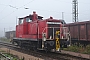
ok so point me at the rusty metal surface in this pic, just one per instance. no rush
(80, 30)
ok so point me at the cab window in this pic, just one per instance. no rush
(28, 20)
(21, 21)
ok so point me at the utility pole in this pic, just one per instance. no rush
(63, 18)
(16, 20)
(75, 11)
(4, 32)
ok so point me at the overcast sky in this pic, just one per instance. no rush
(10, 10)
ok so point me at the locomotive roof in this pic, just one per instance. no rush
(30, 16)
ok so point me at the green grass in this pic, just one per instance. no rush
(80, 49)
(3, 39)
(2, 51)
(11, 56)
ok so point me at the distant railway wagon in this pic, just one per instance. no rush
(37, 33)
(80, 32)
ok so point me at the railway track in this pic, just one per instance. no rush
(43, 54)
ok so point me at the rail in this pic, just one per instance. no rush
(7, 58)
(53, 55)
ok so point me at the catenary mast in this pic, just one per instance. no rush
(75, 11)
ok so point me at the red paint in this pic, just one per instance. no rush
(34, 16)
(34, 29)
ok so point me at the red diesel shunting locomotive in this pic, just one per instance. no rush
(34, 32)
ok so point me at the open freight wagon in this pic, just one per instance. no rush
(80, 32)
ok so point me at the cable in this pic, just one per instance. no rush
(8, 15)
(26, 4)
(83, 3)
(63, 1)
(15, 10)
(3, 4)
(5, 7)
(13, 6)
(38, 9)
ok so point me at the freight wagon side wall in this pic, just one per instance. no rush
(74, 32)
(80, 31)
(83, 31)
(88, 31)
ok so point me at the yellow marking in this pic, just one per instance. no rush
(57, 40)
(57, 32)
(57, 44)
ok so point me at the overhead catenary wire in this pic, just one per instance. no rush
(83, 3)
(3, 4)
(5, 7)
(23, 6)
(16, 9)
(26, 4)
